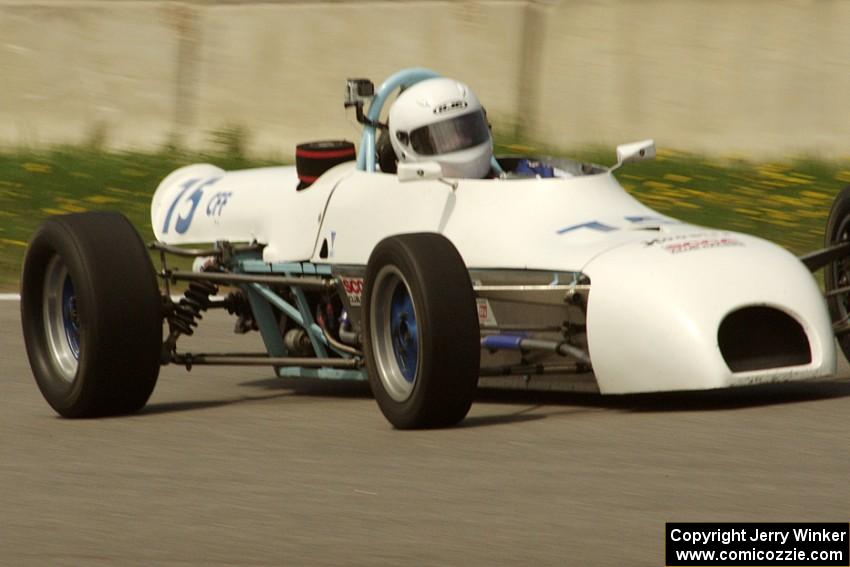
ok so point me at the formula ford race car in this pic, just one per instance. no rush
(425, 284)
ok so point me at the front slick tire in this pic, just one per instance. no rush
(91, 315)
(421, 330)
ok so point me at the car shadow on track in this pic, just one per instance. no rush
(189, 405)
(531, 412)
(700, 400)
(360, 389)
(536, 405)
(314, 387)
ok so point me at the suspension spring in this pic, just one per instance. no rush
(187, 312)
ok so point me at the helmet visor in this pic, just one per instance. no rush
(450, 135)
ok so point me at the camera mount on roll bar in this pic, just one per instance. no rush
(357, 93)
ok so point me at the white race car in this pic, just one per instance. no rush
(425, 284)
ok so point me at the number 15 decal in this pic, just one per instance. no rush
(183, 222)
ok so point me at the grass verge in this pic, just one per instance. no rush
(787, 202)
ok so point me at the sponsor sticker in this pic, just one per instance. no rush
(217, 202)
(485, 313)
(353, 289)
(692, 242)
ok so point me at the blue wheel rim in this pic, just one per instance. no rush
(61, 322)
(69, 317)
(395, 337)
(404, 332)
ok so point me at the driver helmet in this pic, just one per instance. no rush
(441, 120)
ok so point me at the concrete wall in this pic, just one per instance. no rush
(727, 76)
(747, 76)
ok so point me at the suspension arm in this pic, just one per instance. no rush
(819, 258)
(230, 278)
(250, 359)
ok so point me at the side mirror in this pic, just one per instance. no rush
(636, 151)
(419, 171)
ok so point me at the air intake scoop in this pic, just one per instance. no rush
(760, 337)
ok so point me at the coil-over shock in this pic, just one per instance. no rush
(195, 300)
(184, 315)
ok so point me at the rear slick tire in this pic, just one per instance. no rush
(421, 331)
(91, 314)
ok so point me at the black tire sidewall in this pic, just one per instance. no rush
(413, 405)
(50, 240)
(447, 373)
(118, 306)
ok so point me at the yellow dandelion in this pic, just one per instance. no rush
(782, 223)
(749, 191)
(36, 167)
(666, 153)
(102, 199)
(843, 175)
(130, 172)
(676, 178)
(119, 191)
(791, 179)
(687, 205)
(49, 211)
(816, 195)
(13, 242)
(769, 168)
(803, 175)
(657, 185)
(775, 184)
(794, 202)
(813, 214)
(779, 215)
(70, 205)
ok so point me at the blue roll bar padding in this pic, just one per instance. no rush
(494, 165)
(404, 78)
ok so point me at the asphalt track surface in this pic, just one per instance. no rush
(235, 467)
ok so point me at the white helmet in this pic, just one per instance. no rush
(441, 120)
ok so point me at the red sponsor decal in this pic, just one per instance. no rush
(701, 244)
(353, 289)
